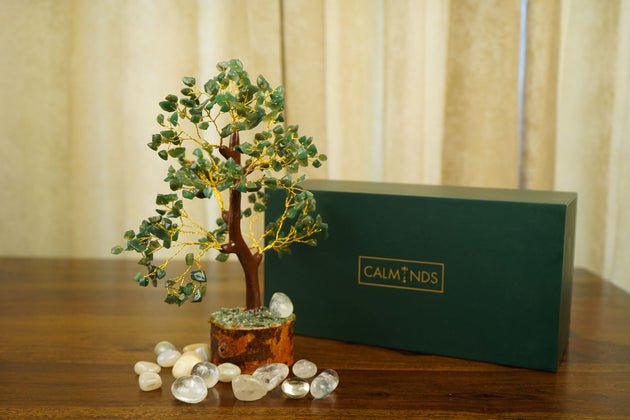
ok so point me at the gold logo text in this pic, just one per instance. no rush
(401, 274)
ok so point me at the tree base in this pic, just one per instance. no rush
(252, 347)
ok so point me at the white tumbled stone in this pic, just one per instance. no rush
(168, 358)
(248, 388)
(189, 389)
(304, 369)
(272, 374)
(208, 372)
(295, 388)
(204, 352)
(228, 371)
(192, 347)
(144, 366)
(280, 305)
(184, 364)
(162, 346)
(148, 381)
(324, 384)
(202, 348)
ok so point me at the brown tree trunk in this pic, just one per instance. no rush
(237, 245)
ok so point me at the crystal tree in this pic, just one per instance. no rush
(223, 170)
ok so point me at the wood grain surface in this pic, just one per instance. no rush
(71, 331)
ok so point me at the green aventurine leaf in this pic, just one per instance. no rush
(189, 81)
(187, 290)
(292, 212)
(286, 181)
(168, 134)
(136, 245)
(262, 82)
(312, 150)
(190, 258)
(199, 294)
(271, 183)
(252, 186)
(188, 103)
(168, 106)
(198, 275)
(162, 234)
(162, 199)
(172, 299)
(177, 152)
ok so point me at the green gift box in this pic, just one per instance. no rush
(474, 273)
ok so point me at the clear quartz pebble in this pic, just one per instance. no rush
(295, 388)
(162, 346)
(208, 372)
(248, 388)
(168, 358)
(280, 305)
(144, 366)
(324, 384)
(148, 381)
(185, 363)
(228, 371)
(189, 389)
(304, 369)
(272, 374)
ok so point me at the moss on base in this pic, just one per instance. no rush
(247, 318)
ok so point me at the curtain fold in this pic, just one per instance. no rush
(35, 137)
(586, 92)
(415, 91)
(617, 239)
(415, 43)
(480, 143)
(540, 94)
(353, 88)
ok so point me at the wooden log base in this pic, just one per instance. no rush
(250, 348)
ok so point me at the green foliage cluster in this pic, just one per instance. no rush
(226, 104)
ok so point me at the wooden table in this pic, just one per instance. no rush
(73, 329)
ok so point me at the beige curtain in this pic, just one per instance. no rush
(393, 90)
